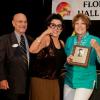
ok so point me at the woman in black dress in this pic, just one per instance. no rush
(49, 61)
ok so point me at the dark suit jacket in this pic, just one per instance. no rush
(12, 66)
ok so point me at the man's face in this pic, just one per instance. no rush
(20, 23)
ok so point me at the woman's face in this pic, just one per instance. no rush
(80, 27)
(56, 27)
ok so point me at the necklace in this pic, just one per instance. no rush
(81, 40)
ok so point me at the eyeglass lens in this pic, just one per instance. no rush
(59, 26)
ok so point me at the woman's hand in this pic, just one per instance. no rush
(94, 43)
(96, 46)
(69, 59)
(48, 31)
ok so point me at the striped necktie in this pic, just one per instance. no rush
(23, 49)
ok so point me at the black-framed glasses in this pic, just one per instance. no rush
(53, 26)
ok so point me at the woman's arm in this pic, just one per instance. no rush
(40, 42)
(96, 46)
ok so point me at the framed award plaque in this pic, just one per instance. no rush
(81, 55)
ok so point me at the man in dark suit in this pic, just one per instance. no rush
(13, 68)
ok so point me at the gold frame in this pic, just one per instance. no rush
(81, 55)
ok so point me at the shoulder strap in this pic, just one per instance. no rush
(61, 44)
(51, 42)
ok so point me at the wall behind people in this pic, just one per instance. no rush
(36, 11)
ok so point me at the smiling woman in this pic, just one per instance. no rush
(79, 83)
(49, 61)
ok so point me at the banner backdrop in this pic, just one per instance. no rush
(69, 8)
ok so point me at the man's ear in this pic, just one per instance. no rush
(13, 23)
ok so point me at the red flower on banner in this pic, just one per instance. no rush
(63, 8)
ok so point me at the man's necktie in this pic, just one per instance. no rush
(23, 49)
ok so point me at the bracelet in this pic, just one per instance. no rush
(38, 40)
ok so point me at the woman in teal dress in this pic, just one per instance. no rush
(80, 81)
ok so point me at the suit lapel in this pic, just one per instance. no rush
(13, 39)
(17, 49)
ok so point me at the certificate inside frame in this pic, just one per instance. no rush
(81, 55)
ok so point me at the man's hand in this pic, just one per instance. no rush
(4, 85)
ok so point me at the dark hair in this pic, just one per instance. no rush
(54, 16)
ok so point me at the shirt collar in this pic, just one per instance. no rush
(18, 36)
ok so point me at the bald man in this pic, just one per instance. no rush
(13, 70)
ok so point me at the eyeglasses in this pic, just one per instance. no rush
(53, 26)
